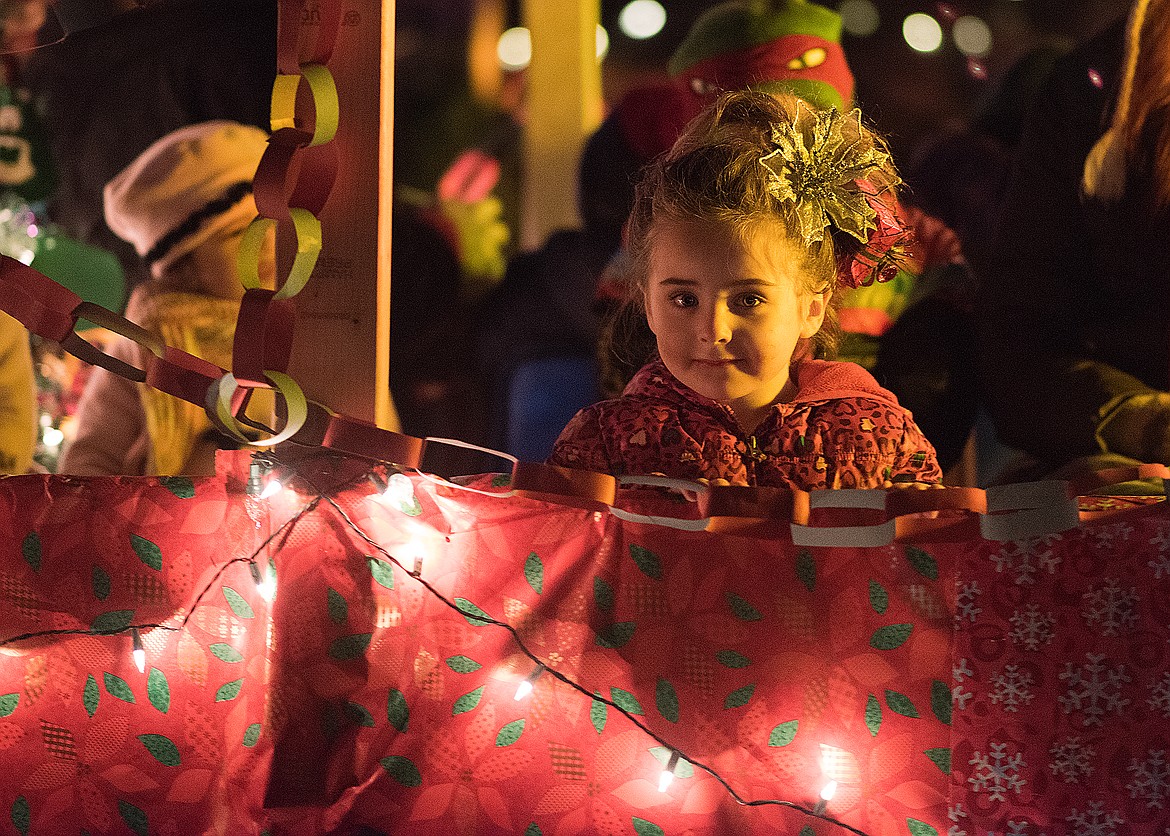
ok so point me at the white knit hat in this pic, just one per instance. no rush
(185, 188)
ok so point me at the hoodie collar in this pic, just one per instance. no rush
(816, 381)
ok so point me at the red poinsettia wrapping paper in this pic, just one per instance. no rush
(954, 688)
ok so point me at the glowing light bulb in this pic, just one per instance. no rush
(273, 487)
(265, 581)
(139, 652)
(668, 773)
(525, 687)
(267, 589)
(399, 489)
(827, 793)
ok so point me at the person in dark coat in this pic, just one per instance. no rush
(1074, 311)
(129, 76)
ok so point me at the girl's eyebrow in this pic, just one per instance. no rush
(737, 283)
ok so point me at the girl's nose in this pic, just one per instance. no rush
(717, 325)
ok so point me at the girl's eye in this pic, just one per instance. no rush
(684, 300)
(750, 300)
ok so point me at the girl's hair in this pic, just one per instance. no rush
(1146, 131)
(714, 173)
(1138, 139)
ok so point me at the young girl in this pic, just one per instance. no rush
(739, 236)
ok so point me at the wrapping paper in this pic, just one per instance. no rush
(962, 687)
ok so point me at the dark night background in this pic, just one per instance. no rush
(907, 94)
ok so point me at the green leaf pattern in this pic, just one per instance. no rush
(101, 583)
(31, 548)
(181, 486)
(468, 701)
(90, 695)
(21, 815)
(806, 570)
(891, 636)
(742, 609)
(236, 601)
(162, 748)
(510, 733)
(229, 690)
(873, 715)
(147, 552)
(784, 733)
(462, 664)
(667, 699)
(941, 701)
(534, 572)
(603, 594)
(134, 818)
(382, 572)
(397, 711)
(739, 697)
(647, 561)
(598, 713)
(625, 700)
(158, 690)
(116, 687)
(338, 609)
(402, 770)
(474, 615)
(922, 563)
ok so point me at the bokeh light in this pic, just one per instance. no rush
(642, 19)
(922, 32)
(602, 42)
(515, 48)
(972, 36)
(859, 18)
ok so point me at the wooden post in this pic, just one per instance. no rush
(341, 345)
(563, 106)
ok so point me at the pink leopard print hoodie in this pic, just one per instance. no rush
(842, 430)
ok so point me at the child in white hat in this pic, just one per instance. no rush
(183, 203)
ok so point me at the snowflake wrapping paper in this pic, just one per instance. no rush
(956, 688)
(1062, 683)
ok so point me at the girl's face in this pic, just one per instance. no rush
(728, 313)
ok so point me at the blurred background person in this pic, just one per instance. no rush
(1075, 305)
(183, 204)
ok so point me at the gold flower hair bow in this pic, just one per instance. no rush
(822, 164)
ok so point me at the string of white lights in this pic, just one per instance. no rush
(541, 667)
(262, 472)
